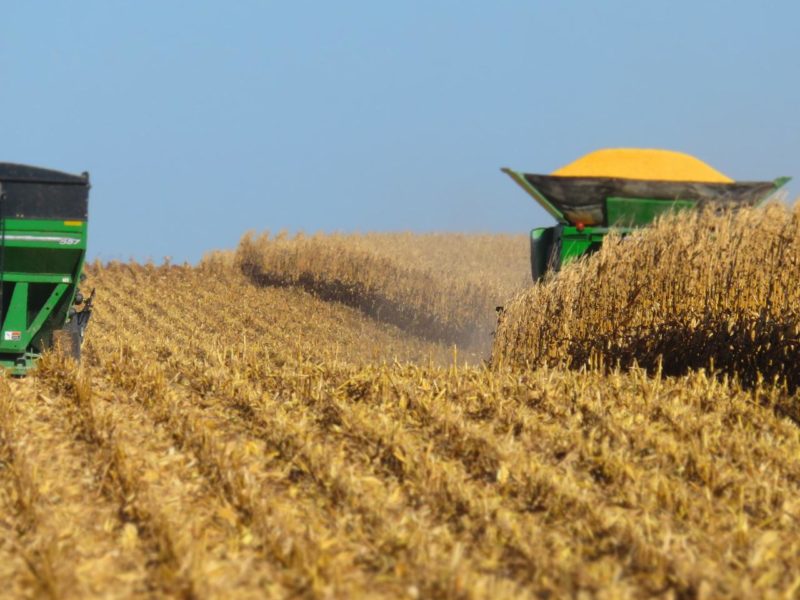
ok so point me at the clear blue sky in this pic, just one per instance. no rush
(201, 120)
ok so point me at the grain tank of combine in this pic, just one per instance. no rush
(43, 224)
(622, 190)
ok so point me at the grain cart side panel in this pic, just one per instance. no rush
(43, 229)
(638, 212)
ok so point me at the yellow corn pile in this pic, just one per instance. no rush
(642, 163)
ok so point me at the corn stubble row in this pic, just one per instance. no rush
(223, 439)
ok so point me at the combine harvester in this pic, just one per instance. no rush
(622, 190)
(43, 220)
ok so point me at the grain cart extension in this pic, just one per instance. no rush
(588, 208)
(43, 221)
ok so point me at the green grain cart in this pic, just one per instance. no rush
(43, 221)
(587, 208)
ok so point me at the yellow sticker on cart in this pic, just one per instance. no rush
(73, 223)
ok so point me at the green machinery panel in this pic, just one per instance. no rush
(637, 212)
(43, 233)
(554, 247)
(588, 208)
(541, 244)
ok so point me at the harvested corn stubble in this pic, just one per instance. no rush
(227, 439)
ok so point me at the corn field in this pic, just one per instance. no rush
(699, 290)
(236, 430)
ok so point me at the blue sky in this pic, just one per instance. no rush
(201, 120)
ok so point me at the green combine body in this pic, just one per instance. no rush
(588, 208)
(43, 226)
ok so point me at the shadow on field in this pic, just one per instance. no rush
(381, 308)
(439, 306)
(751, 350)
